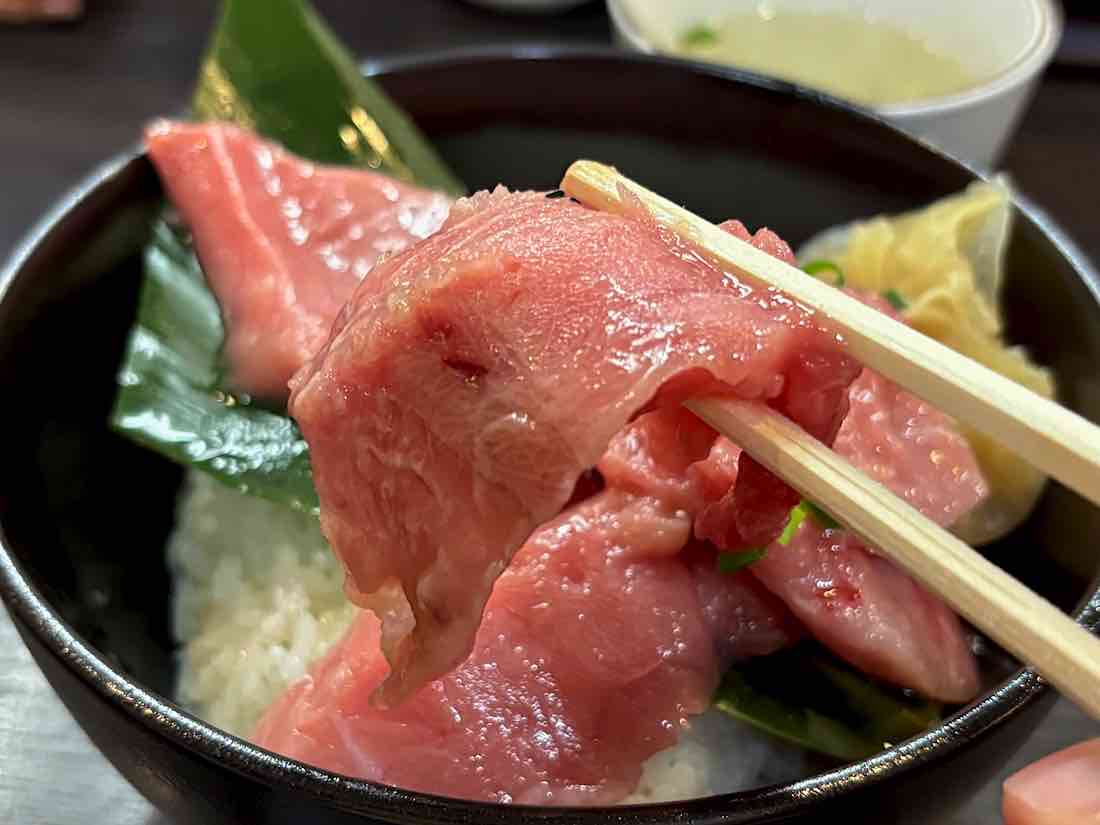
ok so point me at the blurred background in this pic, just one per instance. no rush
(72, 93)
(76, 87)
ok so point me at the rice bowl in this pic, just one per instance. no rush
(6, 529)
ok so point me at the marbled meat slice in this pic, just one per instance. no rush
(471, 381)
(591, 655)
(862, 606)
(744, 618)
(598, 642)
(283, 242)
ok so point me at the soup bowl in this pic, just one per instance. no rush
(84, 514)
(1004, 44)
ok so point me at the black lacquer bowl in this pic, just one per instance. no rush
(84, 514)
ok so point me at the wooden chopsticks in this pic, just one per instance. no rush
(1060, 443)
(1022, 622)
(1056, 440)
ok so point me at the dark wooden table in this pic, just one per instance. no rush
(71, 95)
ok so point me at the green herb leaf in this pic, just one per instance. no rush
(823, 519)
(732, 562)
(794, 521)
(816, 268)
(169, 398)
(890, 716)
(276, 68)
(808, 696)
(799, 513)
(701, 35)
(895, 299)
(800, 725)
(273, 67)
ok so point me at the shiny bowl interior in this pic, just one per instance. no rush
(84, 514)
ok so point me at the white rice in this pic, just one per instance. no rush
(259, 596)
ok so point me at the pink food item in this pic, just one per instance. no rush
(283, 242)
(1062, 789)
(21, 11)
(862, 606)
(870, 612)
(744, 618)
(910, 447)
(470, 382)
(594, 649)
(591, 655)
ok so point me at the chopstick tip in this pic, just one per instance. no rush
(584, 169)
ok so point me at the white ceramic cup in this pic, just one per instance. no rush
(1007, 42)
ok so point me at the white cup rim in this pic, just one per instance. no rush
(1029, 63)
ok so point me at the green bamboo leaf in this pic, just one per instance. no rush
(170, 398)
(888, 718)
(273, 67)
(808, 696)
(801, 725)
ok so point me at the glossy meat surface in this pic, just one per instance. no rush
(861, 606)
(283, 242)
(470, 382)
(598, 642)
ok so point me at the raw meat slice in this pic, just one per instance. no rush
(24, 11)
(654, 455)
(754, 508)
(907, 445)
(591, 655)
(869, 611)
(911, 448)
(744, 618)
(283, 242)
(593, 651)
(862, 606)
(471, 381)
(672, 456)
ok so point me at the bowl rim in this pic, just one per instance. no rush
(162, 717)
(1023, 68)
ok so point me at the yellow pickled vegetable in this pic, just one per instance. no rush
(946, 262)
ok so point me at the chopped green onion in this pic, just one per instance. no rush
(798, 515)
(820, 516)
(701, 35)
(895, 299)
(815, 268)
(732, 562)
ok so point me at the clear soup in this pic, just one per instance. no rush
(846, 54)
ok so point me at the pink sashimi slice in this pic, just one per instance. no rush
(588, 661)
(814, 393)
(598, 642)
(283, 242)
(862, 606)
(872, 613)
(911, 448)
(1060, 789)
(471, 381)
(666, 457)
(744, 618)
